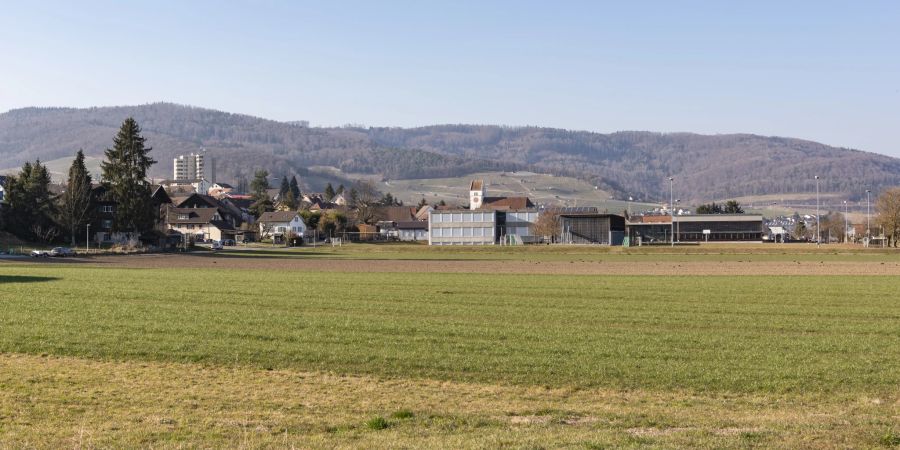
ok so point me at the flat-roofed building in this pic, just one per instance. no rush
(696, 228)
(591, 228)
(462, 227)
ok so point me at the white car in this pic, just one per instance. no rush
(62, 252)
(40, 254)
(217, 245)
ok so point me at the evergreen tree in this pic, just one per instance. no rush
(75, 207)
(258, 188)
(422, 203)
(295, 188)
(733, 207)
(27, 204)
(289, 201)
(354, 197)
(340, 189)
(329, 192)
(125, 175)
(285, 186)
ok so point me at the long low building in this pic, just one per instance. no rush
(480, 227)
(696, 228)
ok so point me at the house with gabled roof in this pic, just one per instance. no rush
(200, 224)
(274, 224)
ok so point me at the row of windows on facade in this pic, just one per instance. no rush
(482, 217)
(186, 217)
(461, 217)
(478, 232)
(283, 229)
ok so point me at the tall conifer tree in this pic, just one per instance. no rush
(75, 204)
(125, 174)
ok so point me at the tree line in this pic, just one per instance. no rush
(31, 210)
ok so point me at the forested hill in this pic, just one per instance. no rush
(628, 163)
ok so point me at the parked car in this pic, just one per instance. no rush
(40, 254)
(217, 245)
(62, 252)
(228, 242)
(246, 240)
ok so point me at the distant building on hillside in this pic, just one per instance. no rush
(194, 167)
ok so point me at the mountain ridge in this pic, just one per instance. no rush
(628, 163)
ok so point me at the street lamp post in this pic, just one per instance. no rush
(818, 230)
(672, 208)
(87, 238)
(846, 223)
(678, 228)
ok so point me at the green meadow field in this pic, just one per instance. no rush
(260, 348)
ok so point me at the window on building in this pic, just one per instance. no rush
(106, 224)
(457, 217)
(182, 217)
(457, 232)
(467, 232)
(467, 217)
(436, 232)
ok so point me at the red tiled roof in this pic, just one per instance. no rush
(504, 203)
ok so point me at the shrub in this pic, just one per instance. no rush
(377, 423)
(403, 414)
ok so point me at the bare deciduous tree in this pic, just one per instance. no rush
(888, 208)
(547, 225)
(367, 201)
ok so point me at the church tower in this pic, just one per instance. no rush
(476, 194)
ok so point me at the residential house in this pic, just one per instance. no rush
(200, 224)
(101, 227)
(390, 216)
(277, 224)
(218, 190)
(412, 231)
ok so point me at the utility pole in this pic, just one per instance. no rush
(818, 230)
(87, 241)
(868, 220)
(846, 223)
(672, 208)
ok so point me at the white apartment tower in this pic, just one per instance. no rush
(189, 167)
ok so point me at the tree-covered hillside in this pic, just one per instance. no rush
(628, 163)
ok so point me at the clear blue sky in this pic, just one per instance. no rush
(820, 70)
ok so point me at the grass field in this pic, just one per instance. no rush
(98, 353)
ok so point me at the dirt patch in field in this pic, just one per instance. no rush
(730, 268)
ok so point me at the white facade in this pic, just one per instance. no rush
(462, 227)
(295, 226)
(520, 223)
(476, 194)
